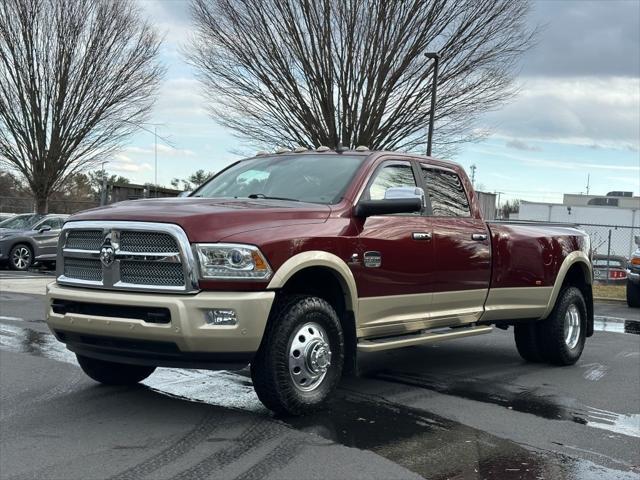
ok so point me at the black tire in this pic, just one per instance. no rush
(111, 373)
(633, 294)
(528, 342)
(20, 257)
(554, 345)
(273, 379)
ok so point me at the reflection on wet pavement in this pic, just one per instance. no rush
(521, 399)
(435, 447)
(432, 446)
(604, 324)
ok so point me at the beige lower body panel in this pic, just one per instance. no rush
(399, 314)
(517, 303)
(188, 328)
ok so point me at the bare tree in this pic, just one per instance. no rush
(316, 72)
(76, 76)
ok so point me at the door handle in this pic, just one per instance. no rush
(421, 236)
(480, 237)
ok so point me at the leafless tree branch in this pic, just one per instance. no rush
(312, 72)
(76, 77)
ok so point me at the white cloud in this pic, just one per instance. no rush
(581, 111)
(124, 163)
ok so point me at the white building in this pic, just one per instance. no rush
(597, 217)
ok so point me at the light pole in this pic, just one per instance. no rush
(103, 191)
(155, 146)
(436, 60)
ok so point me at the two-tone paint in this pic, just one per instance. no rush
(459, 270)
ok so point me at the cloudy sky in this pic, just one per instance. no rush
(578, 112)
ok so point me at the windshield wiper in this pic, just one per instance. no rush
(267, 197)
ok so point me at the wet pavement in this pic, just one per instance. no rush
(464, 409)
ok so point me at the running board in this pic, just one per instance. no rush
(387, 343)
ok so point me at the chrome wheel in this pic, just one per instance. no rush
(309, 356)
(572, 326)
(21, 258)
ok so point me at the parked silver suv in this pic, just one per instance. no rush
(27, 238)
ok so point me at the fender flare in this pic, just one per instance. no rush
(317, 258)
(576, 257)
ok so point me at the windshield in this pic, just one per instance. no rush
(613, 262)
(21, 222)
(304, 178)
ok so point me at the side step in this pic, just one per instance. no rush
(387, 343)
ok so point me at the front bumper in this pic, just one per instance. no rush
(633, 277)
(187, 340)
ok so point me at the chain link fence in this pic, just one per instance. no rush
(612, 240)
(27, 205)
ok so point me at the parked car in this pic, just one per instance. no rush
(633, 277)
(610, 269)
(297, 262)
(29, 238)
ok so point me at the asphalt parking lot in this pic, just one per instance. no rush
(469, 408)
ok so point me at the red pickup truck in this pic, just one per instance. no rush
(296, 262)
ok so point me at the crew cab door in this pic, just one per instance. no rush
(393, 262)
(462, 248)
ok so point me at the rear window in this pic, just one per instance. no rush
(447, 194)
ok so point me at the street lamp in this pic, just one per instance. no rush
(103, 190)
(436, 60)
(155, 148)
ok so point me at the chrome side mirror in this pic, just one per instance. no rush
(405, 192)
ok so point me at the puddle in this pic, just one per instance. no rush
(432, 446)
(438, 448)
(615, 325)
(521, 399)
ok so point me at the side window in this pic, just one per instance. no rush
(448, 198)
(392, 175)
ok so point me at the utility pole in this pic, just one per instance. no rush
(103, 190)
(498, 207)
(473, 174)
(588, 181)
(155, 152)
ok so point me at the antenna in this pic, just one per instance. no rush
(436, 60)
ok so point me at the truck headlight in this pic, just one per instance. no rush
(231, 261)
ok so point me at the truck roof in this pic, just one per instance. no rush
(360, 151)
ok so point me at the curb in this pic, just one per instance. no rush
(609, 300)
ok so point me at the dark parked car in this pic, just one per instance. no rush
(30, 237)
(633, 278)
(616, 266)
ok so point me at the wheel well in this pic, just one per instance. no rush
(578, 276)
(328, 284)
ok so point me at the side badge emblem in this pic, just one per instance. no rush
(372, 259)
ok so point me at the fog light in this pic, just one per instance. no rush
(221, 317)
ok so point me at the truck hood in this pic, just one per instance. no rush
(211, 220)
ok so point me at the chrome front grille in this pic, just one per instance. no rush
(151, 273)
(152, 242)
(136, 256)
(85, 239)
(83, 268)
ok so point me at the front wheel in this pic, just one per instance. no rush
(299, 363)
(20, 257)
(633, 294)
(562, 335)
(112, 373)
